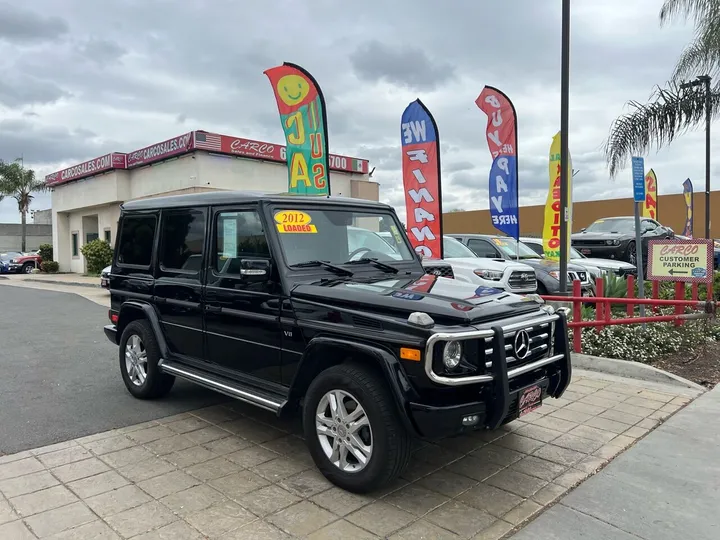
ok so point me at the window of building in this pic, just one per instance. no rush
(238, 235)
(181, 240)
(108, 237)
(75, 248)
(136, 240)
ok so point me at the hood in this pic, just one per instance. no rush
(546, 265)
(487, 264)
(448, 301)
(610, 264)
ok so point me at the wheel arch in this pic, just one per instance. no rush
(325, 352)
(132, 311)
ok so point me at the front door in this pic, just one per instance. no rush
(242, 304)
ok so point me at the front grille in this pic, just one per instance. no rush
(540, 335)
(442, 270)
(522, 280)
(584, 242)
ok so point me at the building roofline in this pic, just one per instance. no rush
(193, 141)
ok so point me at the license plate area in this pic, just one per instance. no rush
(585, 251)
(529, 399)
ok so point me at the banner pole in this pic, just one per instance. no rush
(564, 145)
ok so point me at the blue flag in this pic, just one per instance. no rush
(504, 196)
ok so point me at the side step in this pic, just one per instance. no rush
(225, 386)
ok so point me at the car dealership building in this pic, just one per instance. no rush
(86, 198)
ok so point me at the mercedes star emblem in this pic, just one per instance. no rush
(522, 345)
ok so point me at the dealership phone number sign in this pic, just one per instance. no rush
(681, 260)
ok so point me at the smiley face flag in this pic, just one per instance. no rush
(302, 113)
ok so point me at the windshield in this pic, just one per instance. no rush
(511, 248)
(617, 225)
(9, 255)
(340, 236)
(575, 254)
(454, 249)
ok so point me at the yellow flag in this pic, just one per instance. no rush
(650, 206)
(553, 212)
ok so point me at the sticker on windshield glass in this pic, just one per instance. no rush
(499, 242)
(294, 221)
(396, 234)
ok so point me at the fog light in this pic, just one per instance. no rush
(470, 420)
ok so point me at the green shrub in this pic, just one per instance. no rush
(49, 267)
(46, 252)
(98, 254)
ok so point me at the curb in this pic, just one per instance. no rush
(59, 282)
(631, 370)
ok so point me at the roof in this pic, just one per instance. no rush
(215, 198)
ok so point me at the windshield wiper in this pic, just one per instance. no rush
(378, 264)
(337, 269)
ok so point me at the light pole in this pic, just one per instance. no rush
(564, 129)
(704, 80)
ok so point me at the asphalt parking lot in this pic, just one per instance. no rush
(60, 377)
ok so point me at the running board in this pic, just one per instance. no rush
(225, 386)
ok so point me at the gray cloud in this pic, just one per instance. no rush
(406, 66)
(20, 25)
(17, 90)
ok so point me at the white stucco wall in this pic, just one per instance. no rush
(99, 197)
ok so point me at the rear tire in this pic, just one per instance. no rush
(139, 357)
(382, 442)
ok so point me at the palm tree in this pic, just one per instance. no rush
(20, 183)
(672, 110)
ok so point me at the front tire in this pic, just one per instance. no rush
(139, 357)
(353, 430)
(27, 268)
(631, 254)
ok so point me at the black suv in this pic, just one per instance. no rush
(258, 297)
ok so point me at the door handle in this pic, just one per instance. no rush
(213, 309)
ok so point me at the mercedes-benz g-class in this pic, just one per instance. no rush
(259, 297)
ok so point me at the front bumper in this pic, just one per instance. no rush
(14, 268)
(499, 389)
(602, 252)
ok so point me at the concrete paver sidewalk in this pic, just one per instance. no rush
(664, 488)
(233, 471)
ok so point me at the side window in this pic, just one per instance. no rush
(537, 248)
(482, 248)
(136, 240)
(181, 240)
(238, 235)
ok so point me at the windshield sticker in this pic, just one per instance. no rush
(396, 234)
(600, 221)
(499, 242)
(294, 221)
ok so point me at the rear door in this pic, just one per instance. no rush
(178, 285)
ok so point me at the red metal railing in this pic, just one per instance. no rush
(603, 307)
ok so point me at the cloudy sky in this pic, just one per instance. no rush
(81, 78)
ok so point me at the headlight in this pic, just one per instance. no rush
(452, 353)
(492, 275)
(12, 261)
(616, 242)
(555, 274)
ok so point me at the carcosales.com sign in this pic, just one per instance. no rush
(88, 168)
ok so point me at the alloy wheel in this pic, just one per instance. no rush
(136, 360)
(344, 431)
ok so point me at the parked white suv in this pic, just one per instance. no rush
(510, 276)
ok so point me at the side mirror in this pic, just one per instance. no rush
(582, 230)
(254, 268)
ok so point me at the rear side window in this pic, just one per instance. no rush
(482, 248)
(136, 240)
(181, 240)
(537, 248)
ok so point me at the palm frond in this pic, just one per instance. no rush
(702, 55)
(695, 10)
(670, 112)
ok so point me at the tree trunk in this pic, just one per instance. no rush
(24, 232)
